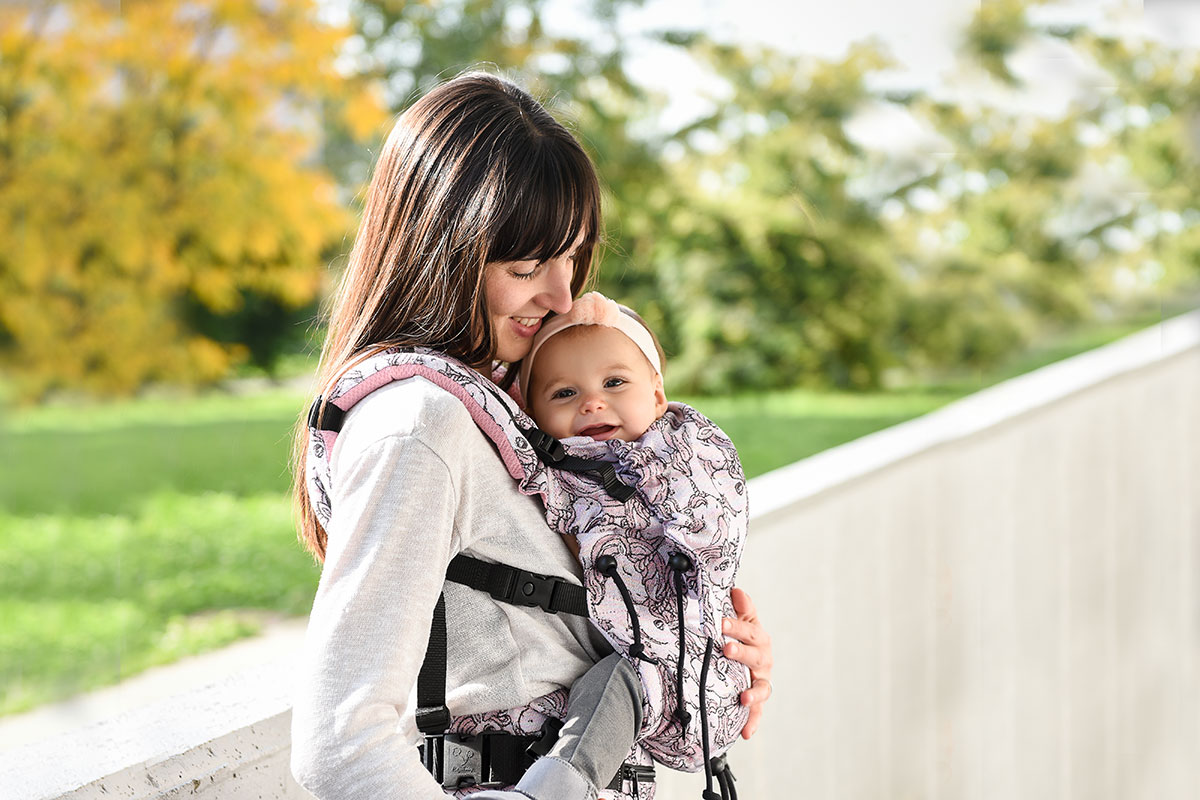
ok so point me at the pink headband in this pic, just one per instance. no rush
(593, 309)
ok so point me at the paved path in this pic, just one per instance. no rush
(154, 684)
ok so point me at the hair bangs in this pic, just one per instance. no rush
(558, 198)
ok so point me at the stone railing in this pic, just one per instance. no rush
(998, 600)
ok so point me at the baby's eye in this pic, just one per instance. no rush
(614, 382)
(562, 394)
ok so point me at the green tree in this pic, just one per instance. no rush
(1048, 220)
(770, 272)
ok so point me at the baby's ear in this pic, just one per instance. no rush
(660, 397)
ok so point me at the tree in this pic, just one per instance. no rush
(768, 271)
(1051, 219)
(157, 179)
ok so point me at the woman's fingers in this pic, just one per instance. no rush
(752, 648)
(759, 692)
(752, 721)
(756, 658)
(743, 605)
(750, 633)
(753, 645)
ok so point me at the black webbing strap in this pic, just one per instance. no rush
(511, 585)
(433, 717)
(332, 419)
(553, 454)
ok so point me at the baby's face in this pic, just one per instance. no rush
(592, 380)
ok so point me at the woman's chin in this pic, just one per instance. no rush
(511, 352)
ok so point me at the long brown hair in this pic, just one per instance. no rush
(474, 172)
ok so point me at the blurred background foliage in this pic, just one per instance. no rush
(177, 179)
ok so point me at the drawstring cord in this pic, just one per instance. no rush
(725, 778)
(716, 766)
(607, 565)
(708, 794)
(680, 563)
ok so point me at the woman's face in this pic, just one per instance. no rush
(521, 293)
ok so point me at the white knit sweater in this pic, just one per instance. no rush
(415, 482)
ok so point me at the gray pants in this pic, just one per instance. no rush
(604, 713)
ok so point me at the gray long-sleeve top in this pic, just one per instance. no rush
(414, 483)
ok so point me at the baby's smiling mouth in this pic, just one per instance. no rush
(597, 431)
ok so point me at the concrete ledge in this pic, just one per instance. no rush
(231, 733)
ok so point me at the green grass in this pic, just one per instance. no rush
(88, 600)
(133, 533)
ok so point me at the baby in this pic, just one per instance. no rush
(595, 372)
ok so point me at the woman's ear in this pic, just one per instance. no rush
(660, 397)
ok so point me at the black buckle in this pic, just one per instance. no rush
(634, 773)
(531, 589)
(617, 489)
(545, 445)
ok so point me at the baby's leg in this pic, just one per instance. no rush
(604, 713)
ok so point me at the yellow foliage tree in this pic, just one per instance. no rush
(158, 159)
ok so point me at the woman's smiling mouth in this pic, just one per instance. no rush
(527, 326)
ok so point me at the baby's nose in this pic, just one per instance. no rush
(591, 403)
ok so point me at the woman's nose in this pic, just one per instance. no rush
(556, 291)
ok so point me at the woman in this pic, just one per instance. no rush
(480, 220)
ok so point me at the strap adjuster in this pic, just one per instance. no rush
(433, 721)
(331, 420)
(545, 445)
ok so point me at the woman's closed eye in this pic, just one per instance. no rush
(524, 276)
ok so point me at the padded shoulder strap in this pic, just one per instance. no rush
(494, 413)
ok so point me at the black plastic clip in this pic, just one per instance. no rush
(541, 746)
(545, 445)
(531, 589)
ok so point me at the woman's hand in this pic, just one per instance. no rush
(752, 648)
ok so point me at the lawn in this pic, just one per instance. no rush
(133, 533)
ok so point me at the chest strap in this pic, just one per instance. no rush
(511, 585)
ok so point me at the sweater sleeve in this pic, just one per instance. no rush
(390, 539)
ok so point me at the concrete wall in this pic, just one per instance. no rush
(998, 600)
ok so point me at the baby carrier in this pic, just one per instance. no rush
(659, 544)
